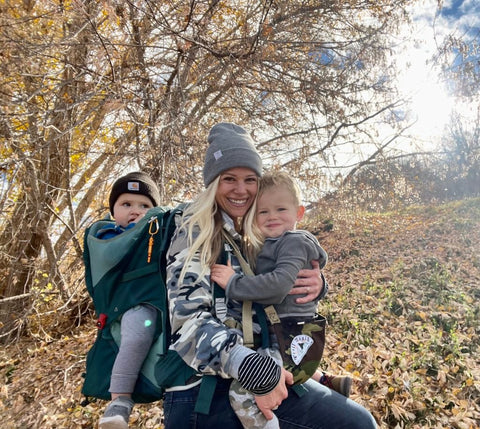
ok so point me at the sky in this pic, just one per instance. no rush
(431, 103)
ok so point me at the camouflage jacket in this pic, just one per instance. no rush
(199, 325)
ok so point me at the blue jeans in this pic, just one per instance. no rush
(319, 408)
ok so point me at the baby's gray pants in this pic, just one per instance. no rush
(137, 331)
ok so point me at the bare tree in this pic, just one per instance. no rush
(47, 105)
(461, 160)
(92, 90)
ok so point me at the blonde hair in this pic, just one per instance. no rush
(204, 215)
(277, 179)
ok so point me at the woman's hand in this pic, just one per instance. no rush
(271, 401)
(309, 282)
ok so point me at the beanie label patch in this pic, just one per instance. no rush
(218, 154)
(133, 186)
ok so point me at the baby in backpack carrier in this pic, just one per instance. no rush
(130, 198)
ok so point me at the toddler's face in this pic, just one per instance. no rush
(130, 208)
(277, 212)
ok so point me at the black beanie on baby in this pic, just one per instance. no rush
(230, 146)
(134, 183)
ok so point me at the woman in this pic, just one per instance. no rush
(205, 330)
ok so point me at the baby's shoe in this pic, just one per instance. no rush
(117, 414)
(339, 383)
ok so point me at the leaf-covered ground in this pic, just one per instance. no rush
(404, 320)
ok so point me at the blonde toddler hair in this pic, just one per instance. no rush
(280, 178)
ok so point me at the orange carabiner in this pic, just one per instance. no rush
(153, 224)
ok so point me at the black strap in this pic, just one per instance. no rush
(205, 394)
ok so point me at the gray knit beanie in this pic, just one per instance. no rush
(134, 183)
(230, 146)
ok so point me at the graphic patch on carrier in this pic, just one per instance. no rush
(299, 347)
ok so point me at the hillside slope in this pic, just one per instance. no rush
(404, 320)
(404, 313)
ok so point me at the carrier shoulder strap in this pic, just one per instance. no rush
(247, 324)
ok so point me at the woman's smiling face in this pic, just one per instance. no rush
(236, 191)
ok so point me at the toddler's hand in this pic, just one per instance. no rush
(221, 274)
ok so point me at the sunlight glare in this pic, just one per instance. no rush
(431, 108)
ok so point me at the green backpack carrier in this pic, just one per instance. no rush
(120, 273)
